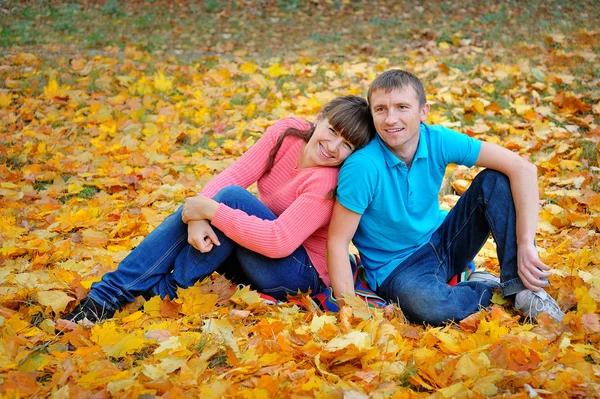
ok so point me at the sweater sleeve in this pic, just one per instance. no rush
(251, 166)
(278, 238)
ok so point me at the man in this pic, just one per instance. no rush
(387, 204)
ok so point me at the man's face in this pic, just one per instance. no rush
(397, 116)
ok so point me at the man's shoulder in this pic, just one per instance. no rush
(371, 151)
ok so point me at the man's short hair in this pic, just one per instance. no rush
(397, 79)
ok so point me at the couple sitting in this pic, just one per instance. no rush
(295, 235)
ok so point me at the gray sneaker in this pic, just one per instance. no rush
(486, 278)
(531, 304)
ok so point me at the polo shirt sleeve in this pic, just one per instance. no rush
(457, 148)
(357, 182)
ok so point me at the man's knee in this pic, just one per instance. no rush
(495, 182)
(423, 306)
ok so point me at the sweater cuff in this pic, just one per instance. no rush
(221, 216)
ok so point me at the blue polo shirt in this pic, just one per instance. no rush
(400, 207)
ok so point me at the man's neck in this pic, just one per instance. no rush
(407, 153)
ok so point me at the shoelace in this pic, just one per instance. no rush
(533, 305)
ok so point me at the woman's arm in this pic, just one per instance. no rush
(343, 225)
(252, 164)
(280, 237)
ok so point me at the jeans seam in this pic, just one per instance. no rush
(151, 269)
(316, 278)
(439, 260)
(463, 227)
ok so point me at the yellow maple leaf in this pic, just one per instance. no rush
(193, 301)
(585, 303)
(357, 338)
(250, 110)
(128, 344)
(53, 90)
(276, 70)
(57, 300)
(161, 83)
(319, 321)
(5, 99)
(106, 334)
(245, 296)
(470, 365)
(152, 306)
(479, 107)
(154, 372)
(248, 68)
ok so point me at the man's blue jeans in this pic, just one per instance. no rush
(418, 284)
(165, 261)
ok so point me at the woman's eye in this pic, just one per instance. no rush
(349, 146)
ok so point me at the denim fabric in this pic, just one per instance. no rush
(418, 284)
(165, 261)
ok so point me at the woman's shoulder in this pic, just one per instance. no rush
(322, 178)
(290, 122)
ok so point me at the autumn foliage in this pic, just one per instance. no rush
(97, 148)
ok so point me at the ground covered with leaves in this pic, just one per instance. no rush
(110, 115)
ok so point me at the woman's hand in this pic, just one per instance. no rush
(199, 208)
(201, 235)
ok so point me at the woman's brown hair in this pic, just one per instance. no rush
(347, 115)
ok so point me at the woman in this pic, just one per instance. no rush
(278, 239)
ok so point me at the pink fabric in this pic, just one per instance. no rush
(297, 196)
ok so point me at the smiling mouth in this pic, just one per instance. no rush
(324, 153)
(395, 130)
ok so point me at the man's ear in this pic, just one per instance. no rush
(425, 112)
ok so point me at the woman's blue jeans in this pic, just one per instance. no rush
(418, 284)
(165, 261)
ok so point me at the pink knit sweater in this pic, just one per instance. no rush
(297, 196)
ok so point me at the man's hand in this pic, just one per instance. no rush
(531, 269)
(201, 235)
(199, 208)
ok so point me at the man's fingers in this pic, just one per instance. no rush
(541, 265)
(530, 281)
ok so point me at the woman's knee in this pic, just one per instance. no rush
(231, 195)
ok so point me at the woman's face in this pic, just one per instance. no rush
(327, 147)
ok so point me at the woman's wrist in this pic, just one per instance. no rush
(211, 209)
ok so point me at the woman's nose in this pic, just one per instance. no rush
(334, 145)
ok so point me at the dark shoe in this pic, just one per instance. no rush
(91, 310)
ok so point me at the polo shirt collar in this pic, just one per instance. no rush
(392, 160)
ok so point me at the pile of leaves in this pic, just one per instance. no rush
(97, 148)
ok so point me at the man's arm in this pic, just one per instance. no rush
(343, 225)
(523, 183)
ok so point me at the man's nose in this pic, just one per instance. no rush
(391, 117)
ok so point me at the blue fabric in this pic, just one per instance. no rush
(419, 285)
(400, 208)
(165, 261)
